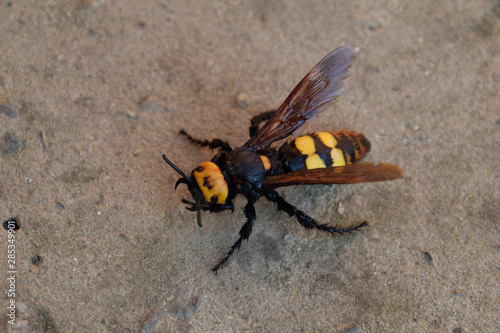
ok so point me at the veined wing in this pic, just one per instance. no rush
(315, 93)
(350, 174)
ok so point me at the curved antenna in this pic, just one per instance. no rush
(175, 167)
(198, 214)
(189, 182)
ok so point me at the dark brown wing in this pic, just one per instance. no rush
(316, 92)
(350, 174)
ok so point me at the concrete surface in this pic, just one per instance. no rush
(93, 92)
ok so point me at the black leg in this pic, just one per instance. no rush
(215, 143)
(220, 207)
(256, 120)
(245, 232)
(211, 208)
(305, 220)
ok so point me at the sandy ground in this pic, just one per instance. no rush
(93, 92)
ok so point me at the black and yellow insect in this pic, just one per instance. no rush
(256, 169)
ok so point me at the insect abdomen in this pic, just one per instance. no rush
(324, 149)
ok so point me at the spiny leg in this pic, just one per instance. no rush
(220, 207)
(215, 143)
(245, 232)
(305, 220)
(256, 120)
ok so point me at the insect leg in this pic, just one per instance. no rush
(305, 220)
(245, 232)
(215, 143)
(256, 120)
(220, 207)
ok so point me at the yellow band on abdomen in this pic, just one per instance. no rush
(314, 161)
(305, 144)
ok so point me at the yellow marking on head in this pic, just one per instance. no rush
(265, 162)
(327, 138)
(337, 157)
(305, 144)
(314, 162)
(211, 182)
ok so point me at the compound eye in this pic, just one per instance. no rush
(211, 182)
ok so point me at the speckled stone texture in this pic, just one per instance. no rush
(93, 92)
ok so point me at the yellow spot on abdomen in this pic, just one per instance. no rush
(211, 182)
(337, 157)
(327, 138)
(305, 144)
(314, 162)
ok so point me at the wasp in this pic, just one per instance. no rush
(257, 169)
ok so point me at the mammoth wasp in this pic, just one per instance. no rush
(256, 169)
